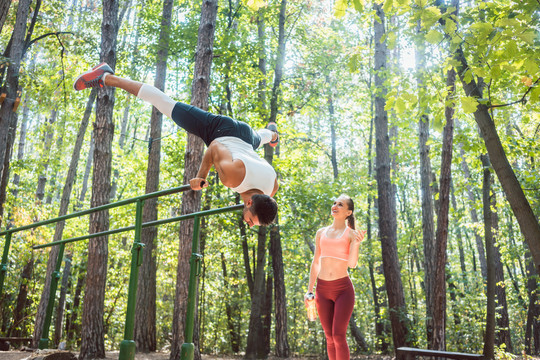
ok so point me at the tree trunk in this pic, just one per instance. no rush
(489, 335)
(441, 236)
(8, 118)
(503, 322)
(72, 327)
(191, 200)
(23, 303)
(533, 311)
(474, 215)
(282, 342)
(231, 311)
(20, 151)
(62, 301)
(255, 345)
(428, 231)
(459, 239)
(92, 336)
(386, 202)
(47, 143)
(145, 317)
(357, 334)
(87, 169)
(333, 154)
(4, 9)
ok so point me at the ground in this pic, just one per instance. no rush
(40, 354)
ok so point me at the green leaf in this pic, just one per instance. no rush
(391, 40)
(434, 37)
(530, 66)
(340, 8)
(430, 16)
(400, 106)
(450, 27)
(469, 104)
(255, 5)
(359, 5)
(387, 6)
(507, 22)
(468, 76)
(528, 37)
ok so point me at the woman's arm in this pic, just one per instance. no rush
(355, 238)
(316, 263)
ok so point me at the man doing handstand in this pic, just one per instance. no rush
(231, 144)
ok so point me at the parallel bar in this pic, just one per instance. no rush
(188, 348)
(4, 264)
(99, 208)
(127, 346)
(150, 223)
(55, 276)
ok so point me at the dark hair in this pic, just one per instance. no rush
(265, 208)
(350, 205)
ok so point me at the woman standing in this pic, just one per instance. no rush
(336, 250)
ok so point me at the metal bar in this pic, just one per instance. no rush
(150, 223)
(4, 264)
(100, 208)
(188, 348)
(127, 346)
(44, 341)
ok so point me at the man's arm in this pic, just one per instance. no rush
(231, 172)
(276, 187)
(207, 162)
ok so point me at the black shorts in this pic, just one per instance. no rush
(209, 126)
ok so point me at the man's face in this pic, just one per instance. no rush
(250, 218)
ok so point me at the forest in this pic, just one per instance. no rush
(424, 112)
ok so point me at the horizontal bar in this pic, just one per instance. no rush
(99, 208)
(145, 225)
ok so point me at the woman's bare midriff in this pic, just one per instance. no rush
(333, 269)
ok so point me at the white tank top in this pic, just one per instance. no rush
(260, 174)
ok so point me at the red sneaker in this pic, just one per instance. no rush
(273, 127)
(92, 78)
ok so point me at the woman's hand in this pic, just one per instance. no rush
(359, 236)
(198, 183)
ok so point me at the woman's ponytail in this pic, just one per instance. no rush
(350, 218)
(350, 221)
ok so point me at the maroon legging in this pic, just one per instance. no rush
(335, 302)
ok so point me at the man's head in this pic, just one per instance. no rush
(260, 210)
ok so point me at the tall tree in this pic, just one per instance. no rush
(92, 336)
(489, 335)
(428, 229)
(59, 227)
(4, 9)
(282, 343)
(503, 323)
(441, 235)
(258, 340)
(386, 200)
(191, 200)
(145, 318)
(8, 119)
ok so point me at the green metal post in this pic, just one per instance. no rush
(44, 341)
(127, 346)
(4, 264)
(188, 348)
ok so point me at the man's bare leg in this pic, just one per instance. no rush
(130, 86)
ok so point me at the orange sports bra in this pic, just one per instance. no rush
(335, 248)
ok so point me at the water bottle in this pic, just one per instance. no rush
(310, 306)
